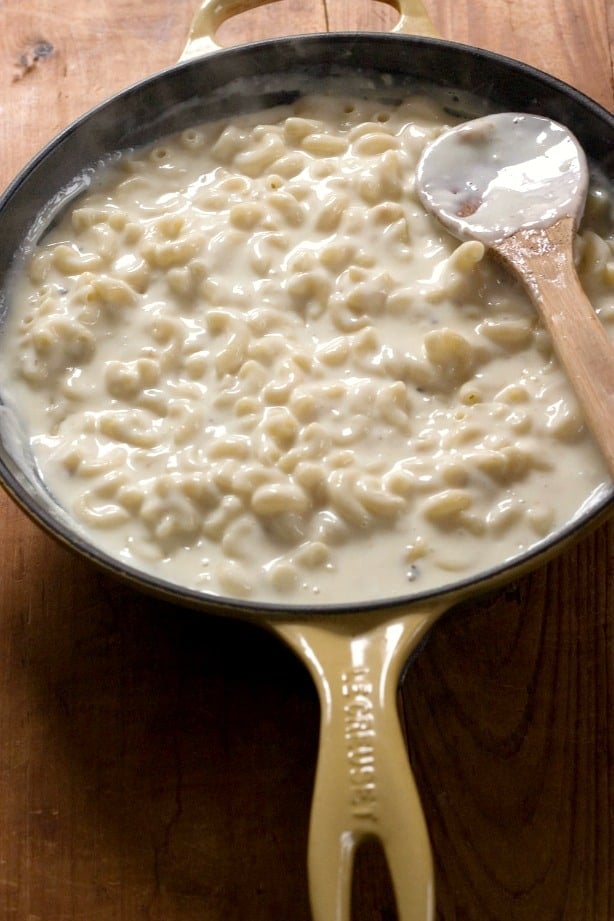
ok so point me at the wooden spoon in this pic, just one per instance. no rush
(518, 184)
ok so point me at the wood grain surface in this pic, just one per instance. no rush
(156, 764)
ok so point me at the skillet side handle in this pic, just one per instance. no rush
(364, 787)
(413, 20)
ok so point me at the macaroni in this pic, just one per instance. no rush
(251, 363)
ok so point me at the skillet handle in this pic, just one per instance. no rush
(364, 788)
(413, 20)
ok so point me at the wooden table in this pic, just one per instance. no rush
(157, 764)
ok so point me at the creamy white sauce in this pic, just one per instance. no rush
(490, 177)
(251, 363)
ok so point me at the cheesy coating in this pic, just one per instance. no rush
(250, 363)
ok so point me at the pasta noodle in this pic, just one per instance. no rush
(250, 362)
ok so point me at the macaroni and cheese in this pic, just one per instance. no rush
(250, 363)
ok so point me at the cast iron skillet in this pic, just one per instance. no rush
(364, 787)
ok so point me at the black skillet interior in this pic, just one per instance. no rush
(247, 78)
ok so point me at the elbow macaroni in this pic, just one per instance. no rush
(251, 363)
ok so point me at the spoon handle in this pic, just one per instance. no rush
(543, 260)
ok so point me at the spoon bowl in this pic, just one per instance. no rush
(518, 184)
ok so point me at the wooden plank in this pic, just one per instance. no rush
(572, 41)
(155, 764)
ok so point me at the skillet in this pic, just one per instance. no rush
(355, 653)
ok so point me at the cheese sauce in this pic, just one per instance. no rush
(250, 363)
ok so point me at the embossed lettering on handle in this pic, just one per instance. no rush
(359, 733)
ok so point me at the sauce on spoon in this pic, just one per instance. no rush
(490, 177)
